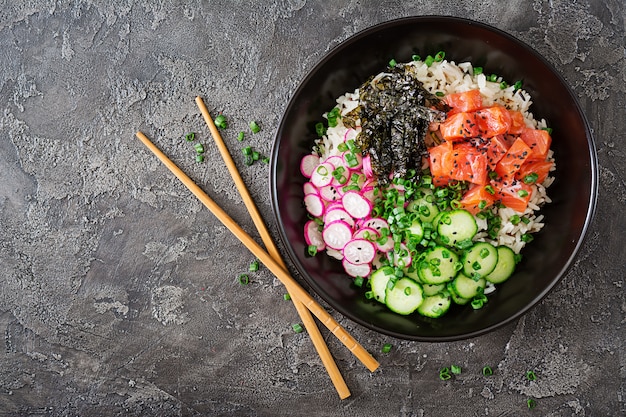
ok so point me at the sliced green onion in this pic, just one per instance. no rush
(199, 148)
(286, 297)
(493, 78)
(429, 61)
(440, 56)
(254, 266)
(311, 250)
(531, 178)
(531, 376)
(444, 374)
(265, 159)
(244, 279)
(517, 85)
(487, 371)
(247, 150)
(416, 57)
(440, 94)
(503, 85)
(199, 158)
(455, 369)
(189, 137)
(392, 63)
(254, 127)
(490, 189)
(240, 136)
(297, 328)
(531, 403)
(220, 121)
(522, 193)
(386, 348)
(515, 219)
(548, 129)
(358, 281)
(320, 129)
(478, 70)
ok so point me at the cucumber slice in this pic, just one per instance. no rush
(434, 306)
(378, 282)
(424, 206)
(466, 287)
(457, 299)
(480, 260)
(439, 265)
(432, 289)
(404, 297)
(456, 226)
(416, 230)
(504, 267)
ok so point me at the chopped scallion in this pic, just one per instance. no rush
(240, 136)
(254, 266)
(244, 279)
(220, 121)
(297, 328)
(392, 63)
(286, 297)
(254, 127)
(386, 348)
(487, 371)
(189, 137)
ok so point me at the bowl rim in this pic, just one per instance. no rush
(592, 155)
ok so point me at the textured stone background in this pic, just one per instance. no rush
(118, 290)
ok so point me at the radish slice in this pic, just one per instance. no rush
(387, 246)
(367, 166)
(338, 213)
(314, 204)
(322, 175)
(313, 235)
(405, 260)
(337, 234)
(375, 223)
(354, 271)
(308, 164)
(359, 251)
(334, 253)
(331, 193)
(334, 160)
(377, 263)
(309, 188)
(366, 233)
(356, 205)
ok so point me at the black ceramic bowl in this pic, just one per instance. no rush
(546, 259)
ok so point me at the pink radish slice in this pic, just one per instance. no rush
(359, 251)
(366, 233)
(322, 175)
(353, 270)
(338, 213)
(334, 160)
(356, 205)
(369, 193)
(308, 164)
(334, 253)
(386, 246)
(406, 259)
(367, 166)
(331, 193)
(309, 188)
(313, 235)
(350, 134)
(377, 263)
(336, 234)
(375, 223)
(314, 204)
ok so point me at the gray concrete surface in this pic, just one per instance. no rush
(118, 290)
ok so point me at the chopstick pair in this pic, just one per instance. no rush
(304, 303)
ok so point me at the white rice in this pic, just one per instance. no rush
(448, 77)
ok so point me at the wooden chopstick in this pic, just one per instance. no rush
(292, 286)
(305, 315)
